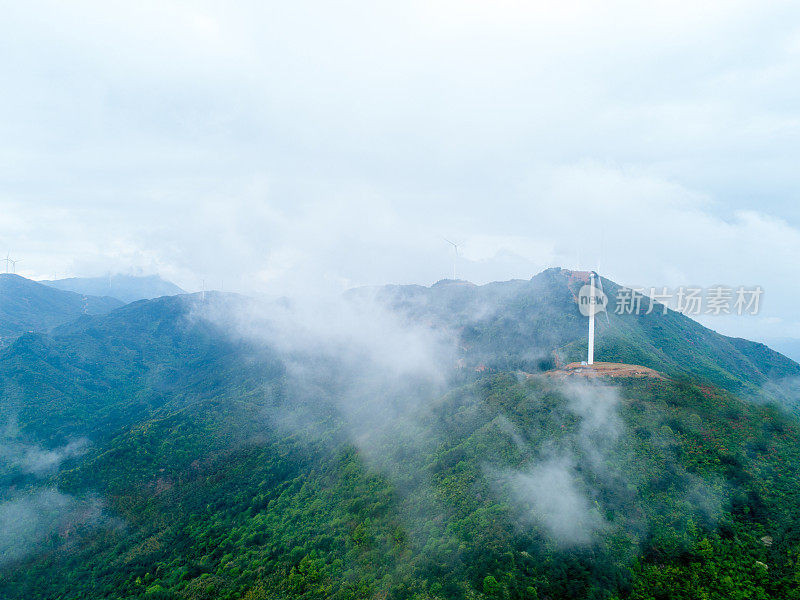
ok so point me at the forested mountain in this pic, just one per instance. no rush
(401, 443)
(26, 306)
(127, 288)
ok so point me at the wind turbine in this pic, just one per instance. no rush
(7, 259)
(14, 264)
(593, 302)
(455, 258)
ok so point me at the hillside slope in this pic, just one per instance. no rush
(512, 492)
(26, 306)
(101, 372)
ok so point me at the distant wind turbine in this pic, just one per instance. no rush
(10, 261)
(455, 258)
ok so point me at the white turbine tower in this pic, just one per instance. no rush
(592, 309)
(14, 264)
(455, 258)
(595, 302)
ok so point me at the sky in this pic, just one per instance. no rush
(296, 147)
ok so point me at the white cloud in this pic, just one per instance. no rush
(272, 145)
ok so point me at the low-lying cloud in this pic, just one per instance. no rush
(31, 510)
(551, 495)
(37, 460)
(369, 364)
(583, 485)
(29, 519)
(555, 491)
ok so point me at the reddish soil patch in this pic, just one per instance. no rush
(605, 369)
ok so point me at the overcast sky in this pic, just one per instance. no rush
(281, 146)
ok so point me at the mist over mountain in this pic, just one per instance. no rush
(401, 441)
(127, 288)
(406, 392)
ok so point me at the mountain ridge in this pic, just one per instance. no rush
(531, 319)
(126, 288)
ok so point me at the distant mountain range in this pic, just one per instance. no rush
(126, 288)
(27, 306)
